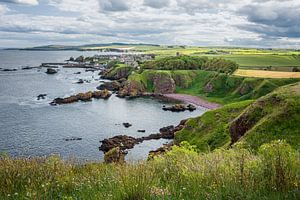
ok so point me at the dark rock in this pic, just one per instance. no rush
(127, 125)
(128, 142)
(9, 70)
(160, 151)
(80, 81)
(90, 70)
(122, 141)
(51, 71)
(103, 94)
(141, 131)
(179, 108)
(73, 138)
(41, 96)
(191, 107)
(77, 73)
(112, 86)
(27, 68)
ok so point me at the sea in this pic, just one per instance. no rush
(31, 127)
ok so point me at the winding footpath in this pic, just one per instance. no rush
(194, 100)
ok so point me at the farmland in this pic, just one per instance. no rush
(266, 74)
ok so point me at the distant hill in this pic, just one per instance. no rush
(85, 47)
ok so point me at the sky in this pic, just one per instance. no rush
(248, 23)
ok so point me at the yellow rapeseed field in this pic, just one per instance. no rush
(266, 74)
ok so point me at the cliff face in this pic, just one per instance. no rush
(117, 73)
(163, 83)
(131, 88)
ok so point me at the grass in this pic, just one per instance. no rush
(260, 60)
(276, 116)
(224, 89)
(279, 59)
(183, 173)
(213, 86)
(210, 131)
(249, 124)
(266, 74)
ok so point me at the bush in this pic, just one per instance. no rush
(221, 65)
(296, 69)
(176, 63)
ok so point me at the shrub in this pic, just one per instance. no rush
(221, 65)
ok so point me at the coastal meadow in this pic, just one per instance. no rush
(182, 173)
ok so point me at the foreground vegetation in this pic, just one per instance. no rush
(272, 173)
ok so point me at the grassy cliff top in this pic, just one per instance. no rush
(248, 123)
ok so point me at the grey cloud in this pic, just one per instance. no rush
(273, 19)
(113, 5)
(157, 3)
(200, 6)
(28, 2)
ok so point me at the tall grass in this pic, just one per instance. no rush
(182, 173)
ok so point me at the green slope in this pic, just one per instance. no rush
(214, 86)
(271, 117)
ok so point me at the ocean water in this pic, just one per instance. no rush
(31, 127)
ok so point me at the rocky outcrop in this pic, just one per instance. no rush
(101, 94)
(179, 108)
(41, 96)
(28, 68)
(125, 142)
(51, 71)
(163, 83)
(131, 89)
(9, 70)
(127, 125)
(73, 139)
(116, 73)
(246, 121)
(160, 151)
(111, 86)
(122, 141)
(80, 81)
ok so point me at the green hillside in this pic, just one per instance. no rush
(247, 123)
(214, 86)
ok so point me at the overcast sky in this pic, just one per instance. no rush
(257, 23)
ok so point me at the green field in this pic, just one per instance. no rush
(245, 57)
(257, 58)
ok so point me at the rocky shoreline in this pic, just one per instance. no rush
(100, 94)
(115, 148)
(124, 142)
(194, 100)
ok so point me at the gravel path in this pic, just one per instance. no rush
(194, 100)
